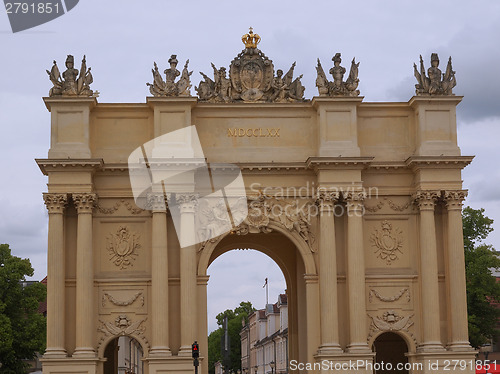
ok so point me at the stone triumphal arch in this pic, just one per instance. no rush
(359, 203)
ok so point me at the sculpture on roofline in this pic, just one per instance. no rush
(251, 79)
(338, 87)
(435, 83)
(73, 82)
(169, 87)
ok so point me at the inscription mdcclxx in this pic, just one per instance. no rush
(257, 132)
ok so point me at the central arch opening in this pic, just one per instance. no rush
(272, 336)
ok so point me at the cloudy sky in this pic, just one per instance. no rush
(122, 39)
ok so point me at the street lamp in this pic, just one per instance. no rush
(273, 365)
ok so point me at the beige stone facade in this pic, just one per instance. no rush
(381, 251)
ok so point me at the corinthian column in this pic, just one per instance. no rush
(429, 285)
(159, 276)
(456, 272)
(85, 317)
(56, 204)
(328, 274)
(356, 273)
(187, 205)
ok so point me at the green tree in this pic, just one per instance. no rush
(22, 328)
(483, 291)
(235, 322)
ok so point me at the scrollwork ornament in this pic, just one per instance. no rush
(123, 325)
(391, 321)
(85, 202)
(388, 242)
(122, 247)
(55, 203)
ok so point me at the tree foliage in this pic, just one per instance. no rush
(483, 291)
(22, 328)
(235, 318)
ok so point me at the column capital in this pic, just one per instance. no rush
(157, 202)
(354, 200)
(84, 202)
(426, 200)
(55, 202)
(454, 199)
(326, 199)
(187, 202)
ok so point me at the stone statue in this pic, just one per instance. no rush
(170, 87)
(435, 83)
(73, 82)
(338, 87)
(251, 79)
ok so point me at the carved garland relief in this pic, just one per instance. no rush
(106, 296)
(389, 299)
(122, 247)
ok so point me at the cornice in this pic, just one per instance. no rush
(335, 163)
(434, 100)
(48, 165)
(438, 162)
(70, 101)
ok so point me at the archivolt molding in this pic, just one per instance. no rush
(389, 299)
(122, 326)
(122, 247)
(106, 296)
(388, 241)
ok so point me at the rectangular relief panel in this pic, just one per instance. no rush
(122, 247)
(122, 298)
(389, 244)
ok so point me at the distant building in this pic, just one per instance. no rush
(264, 340)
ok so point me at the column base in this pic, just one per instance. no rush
(55, 353)
(431, 347)
(358, 348)
(329, 349)
(160, 352)
(185, 351)
(443, 362)
(171, 365)
(460, 346)
(343, 363)
(84, 352)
